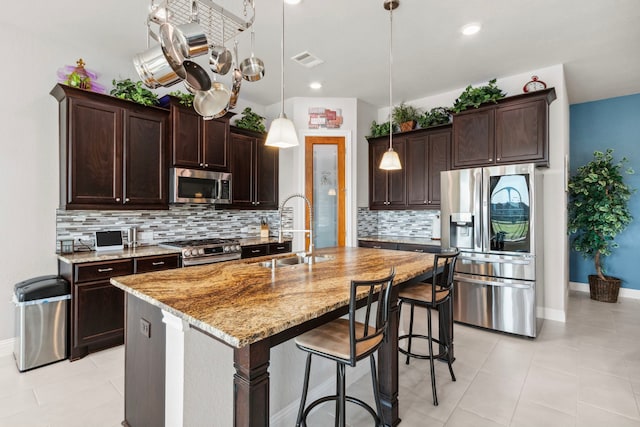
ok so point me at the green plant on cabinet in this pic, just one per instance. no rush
(127, 89)
(251, 121)
(474, 97)
(381, 129)
(434, 117)
(186, 99)
(405, 116)
(598, 207)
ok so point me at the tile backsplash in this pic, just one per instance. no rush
(177, 223)
(396, 223)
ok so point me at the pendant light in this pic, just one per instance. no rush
(282, 133)
(390, 159)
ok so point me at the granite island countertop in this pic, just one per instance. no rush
(241, 302)
(401, 239)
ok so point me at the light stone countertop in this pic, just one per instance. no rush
(240, 302)
(401, 239)
(93, 256)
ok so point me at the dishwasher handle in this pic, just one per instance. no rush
(466, 259)
(493, 281)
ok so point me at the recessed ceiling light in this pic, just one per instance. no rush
(470, 29)
(292, 1)
(315, 85)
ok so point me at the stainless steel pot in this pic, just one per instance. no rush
(182, 42)
(252, 68)
(221, 58)
(154, 69)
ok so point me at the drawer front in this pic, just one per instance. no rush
(279, 248)
(377, 245)
(156, 263)
(102, 270)
(254, 251)
(418, 248)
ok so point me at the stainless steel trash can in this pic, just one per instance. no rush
(42, 306)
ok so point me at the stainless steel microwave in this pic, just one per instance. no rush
(199, 186)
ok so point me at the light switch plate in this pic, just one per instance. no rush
(145, 328)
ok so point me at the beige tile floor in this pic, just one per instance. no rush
(583, 373)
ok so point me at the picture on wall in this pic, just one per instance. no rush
(320, 117)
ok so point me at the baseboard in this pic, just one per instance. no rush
(624, 292)
(6, 347)
(286, 417)
(553, 314)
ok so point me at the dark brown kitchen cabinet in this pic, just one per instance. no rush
(387, 189)
(198, 143)
(423, 153)
(428, 153)
(97, 307)
(252, 251)
(254, 168)
(515, 130)
(113, 153)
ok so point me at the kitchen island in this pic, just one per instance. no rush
(252, 308)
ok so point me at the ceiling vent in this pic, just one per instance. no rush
(307, 59)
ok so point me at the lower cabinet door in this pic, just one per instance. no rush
(98, 313)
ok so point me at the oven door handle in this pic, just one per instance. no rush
(492, 281)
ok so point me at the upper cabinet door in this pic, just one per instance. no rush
(185, 137)
(417, 170)
(397, 196)
(215, 134)
(145, 165)
(521, 132)
(377, 177)
(94, 153)
(473, 138)
(266, 185)
(439, 159)
(242, 165)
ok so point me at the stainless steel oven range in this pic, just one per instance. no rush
(206, 251)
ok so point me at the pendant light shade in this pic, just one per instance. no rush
(390, 160)
(282, 132)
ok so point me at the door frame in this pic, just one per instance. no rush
(341, 185)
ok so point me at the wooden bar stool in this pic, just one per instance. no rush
(431, 295)
(347, 341)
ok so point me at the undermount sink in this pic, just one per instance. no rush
(284, 262)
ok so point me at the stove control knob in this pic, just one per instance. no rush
(237, 248)
(227, 249)
(201, 251)
(186, 252)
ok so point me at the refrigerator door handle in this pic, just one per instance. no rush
(495, 260)
(479, 280)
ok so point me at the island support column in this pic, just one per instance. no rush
(251, 385)
(388, 366)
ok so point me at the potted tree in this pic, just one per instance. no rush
(598, 212)
(405, 116)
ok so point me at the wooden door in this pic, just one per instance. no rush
(397, 195)
(266, 186)
(242, 167)
(185, 137)
(145, 160)
(417, 170)
(215, 134)
(99, 313)
(378, 183)
(94, 153)
(473, 138)
(439, 159)
(325, 188)
(521, 131)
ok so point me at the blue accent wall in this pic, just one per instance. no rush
(610, 123)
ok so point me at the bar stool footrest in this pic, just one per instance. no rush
(442, 355)
(335, 397)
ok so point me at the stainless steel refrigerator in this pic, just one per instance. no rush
(494, 216)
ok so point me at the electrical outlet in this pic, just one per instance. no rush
(145, 328)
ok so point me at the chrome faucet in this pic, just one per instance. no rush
(310, 230)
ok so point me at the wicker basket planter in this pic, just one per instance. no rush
(604, 290)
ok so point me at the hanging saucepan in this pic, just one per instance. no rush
(220, 59)
(237, 80)
(183, 41)
(154, 69)
(197, 77)
(211, 102)
(252, 68)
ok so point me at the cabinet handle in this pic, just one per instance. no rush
(105, 270)
(206, 165)
(201, 165)
(418, 250)
(255, 251)
(429, 201)
(158, 263)
(491, 160)
(127, 199)
(257, 203)
(377, 247)
(498, 159)
(279, 248)
(117, 199)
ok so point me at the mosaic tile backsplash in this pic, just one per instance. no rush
(396, 223)
(178, 223)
